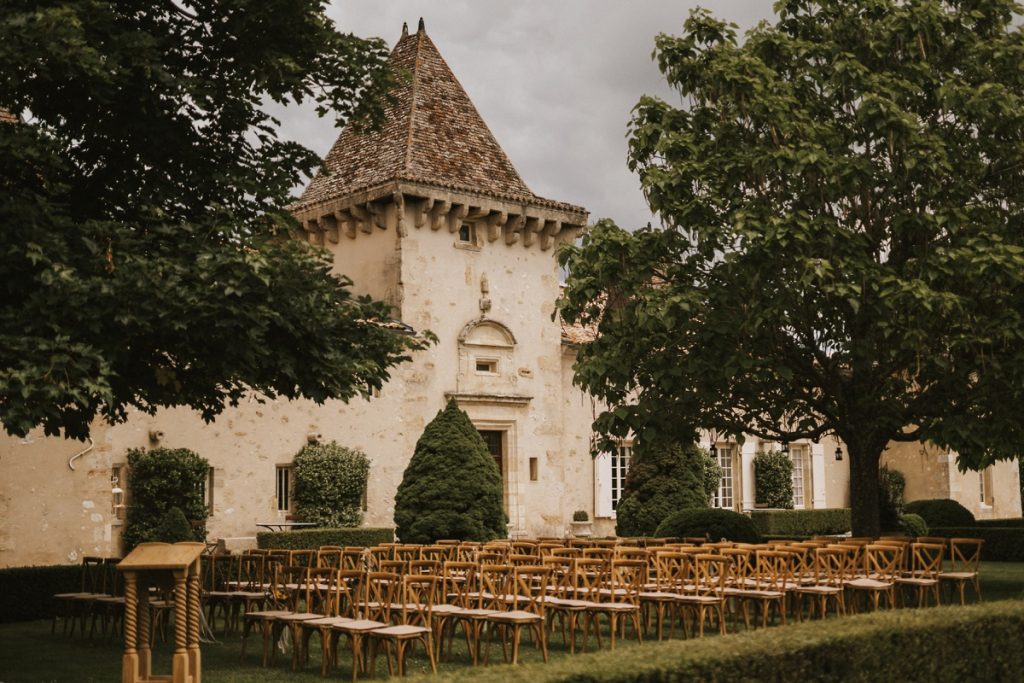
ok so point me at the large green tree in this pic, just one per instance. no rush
(145, 257)
(842, 249)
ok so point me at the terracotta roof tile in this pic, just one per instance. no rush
(432, 134)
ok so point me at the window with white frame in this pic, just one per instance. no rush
(621, 459)
(723, 496)
(798, 455)
(985, 494)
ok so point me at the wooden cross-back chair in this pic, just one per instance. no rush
(418, 595)
(964, 558)
(923, 576)
(372, 596)
(831, 574)
(619, 599)
(287, 582)
(882, 565)
(75, 607)
(671, 575)
(530, 582)
(338, 609)
(711, 575)
(561, 598)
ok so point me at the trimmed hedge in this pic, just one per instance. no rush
(713, 523)
(1007, 523)
(940, 512)
(25, 591)
(311, 539)
(892, 645)
(1001, 544)
(826, 521)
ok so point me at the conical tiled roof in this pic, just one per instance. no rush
(433, 134)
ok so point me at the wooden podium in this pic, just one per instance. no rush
(161, 565)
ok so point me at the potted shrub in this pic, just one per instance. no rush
(581, 524)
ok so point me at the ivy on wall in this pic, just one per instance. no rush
(159, 481)
(330, 482)
(773, 480)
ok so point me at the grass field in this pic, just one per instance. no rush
(29, 654)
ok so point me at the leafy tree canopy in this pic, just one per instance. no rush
(145, 257)
(842, 249)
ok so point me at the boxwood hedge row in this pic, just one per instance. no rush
(311, 539)
(904, 645)
(25, 591)
(1002, 544)
(825, 521)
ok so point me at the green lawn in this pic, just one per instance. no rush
(29, 654)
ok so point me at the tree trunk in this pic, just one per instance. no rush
(864, 489)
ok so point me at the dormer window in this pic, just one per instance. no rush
(467, 233)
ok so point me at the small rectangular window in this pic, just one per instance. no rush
(467, 233)
(284, 488)
(533, 469)
(487, 366)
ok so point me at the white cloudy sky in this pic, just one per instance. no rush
(554, 79)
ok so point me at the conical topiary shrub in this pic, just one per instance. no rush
(661, 480)
(452, 486)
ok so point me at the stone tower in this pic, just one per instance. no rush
(430, 215)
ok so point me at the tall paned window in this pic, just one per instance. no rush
(284, 488)
(723, 497)
(798, 457)
(621, 458)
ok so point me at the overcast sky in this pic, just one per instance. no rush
(555, 80)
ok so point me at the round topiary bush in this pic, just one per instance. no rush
(773, 480)
(713, 524)
(939, 512)
(661, 480)
(452, 486)
(330, 481)
(914, 525)
(173, 528)
(159, 481)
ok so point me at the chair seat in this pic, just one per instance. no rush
(402, 631)
(916, 581)
(443, 610)
(870, 584)
(474, 613)
(700, 599)
(516, 616)
(658, 595)
(266, 615)
(764, 595)
(358, 626)
(819, 590)
(300, 616)
(612, 607)
(958, 576)
(567, 603)
(326, 621)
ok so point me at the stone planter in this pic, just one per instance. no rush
(582, 529)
